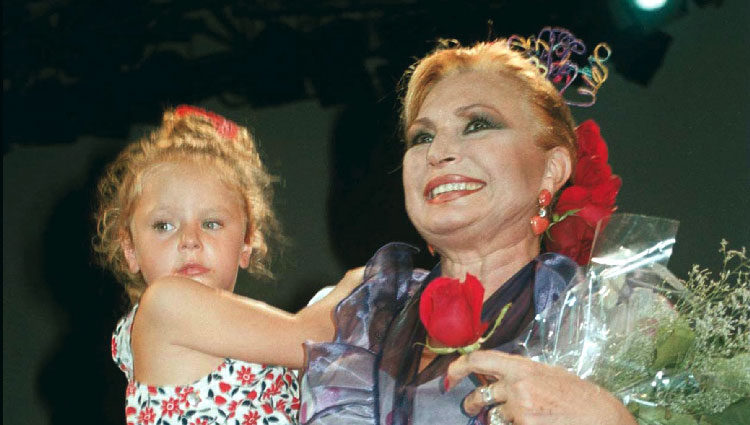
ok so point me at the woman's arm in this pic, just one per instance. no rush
(185, 313)
(533, 393)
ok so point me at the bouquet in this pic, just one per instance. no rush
(675, 352)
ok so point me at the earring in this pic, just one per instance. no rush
(540, 222)
(431, 250)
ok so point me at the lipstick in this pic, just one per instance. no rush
(451, 186)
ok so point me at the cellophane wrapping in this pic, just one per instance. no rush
(674, 354)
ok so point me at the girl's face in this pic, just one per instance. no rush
(188, 223)
(474, 168)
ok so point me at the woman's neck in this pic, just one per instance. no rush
(492, 267)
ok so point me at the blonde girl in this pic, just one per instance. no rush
(180, 212)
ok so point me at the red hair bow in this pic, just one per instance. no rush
(223, 126)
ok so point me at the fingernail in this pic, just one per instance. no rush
(446, 384)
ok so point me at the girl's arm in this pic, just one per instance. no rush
(185, 313)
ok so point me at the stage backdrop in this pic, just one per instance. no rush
(681, 145)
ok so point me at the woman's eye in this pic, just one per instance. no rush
(212, 225)
(478, 124)
(163, 226)
(421, 138)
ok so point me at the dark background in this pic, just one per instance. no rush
(316, 81)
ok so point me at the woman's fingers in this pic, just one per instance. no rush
(504, 367)
(485, 396)
(498, 415)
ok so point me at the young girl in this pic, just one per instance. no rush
(180, 211)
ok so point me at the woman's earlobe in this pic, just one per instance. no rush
(559, 166)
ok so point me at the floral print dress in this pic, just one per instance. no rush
(236, 393)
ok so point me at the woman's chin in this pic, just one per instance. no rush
(447, 230)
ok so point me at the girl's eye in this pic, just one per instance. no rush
(212, 225)
(479, 124)
(163, 226)
(421, 138)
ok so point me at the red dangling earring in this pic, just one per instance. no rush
(540, 222)
(431, 250)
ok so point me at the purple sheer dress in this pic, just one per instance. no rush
(369, 373)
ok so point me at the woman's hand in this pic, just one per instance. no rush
(531, 393)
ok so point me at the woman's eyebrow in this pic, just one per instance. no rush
(463, 110)
(424, 121)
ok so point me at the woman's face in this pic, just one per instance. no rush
(474, 168)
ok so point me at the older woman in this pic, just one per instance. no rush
(486, 135)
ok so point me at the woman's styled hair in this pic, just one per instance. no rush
(193, 137)
(450, 58)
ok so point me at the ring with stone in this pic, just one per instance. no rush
(495, 417)
(486, 394)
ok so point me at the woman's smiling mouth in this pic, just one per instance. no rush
(451, 186)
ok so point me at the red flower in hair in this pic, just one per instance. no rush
(590, 141)
(572, 237)
(590, 200)
(591, 172)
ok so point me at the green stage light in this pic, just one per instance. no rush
(650, 4)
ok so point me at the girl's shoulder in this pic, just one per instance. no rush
(120, 343)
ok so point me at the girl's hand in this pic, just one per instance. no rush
(531, 393)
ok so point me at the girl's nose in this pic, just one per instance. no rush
(190, 238)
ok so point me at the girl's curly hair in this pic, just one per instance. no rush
(190, 137)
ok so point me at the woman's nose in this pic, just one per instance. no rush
(442, 151)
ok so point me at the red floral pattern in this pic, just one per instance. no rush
(236, 393)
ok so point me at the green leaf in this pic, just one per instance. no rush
(736, 414)
(658, 415)
(671, 348)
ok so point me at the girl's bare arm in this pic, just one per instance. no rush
(188, 314)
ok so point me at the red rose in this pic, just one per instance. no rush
(606, 192)
(590, 141)
(592, 214)
(572, 237)
(572, 198)
(450, 310)
(591, 172)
